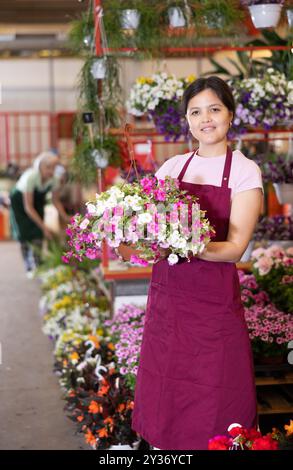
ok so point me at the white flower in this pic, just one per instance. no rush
(172, 259)
(84, 224)
(91, 208)
(144, 218)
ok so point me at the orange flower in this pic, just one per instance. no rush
(65, 362)
(112, 371)
(130, 405)
(103, 432)
(103, 389)
(90, 438)
(74, 356)
(95, 407)
(289, 428)
(111, 346)
(109, 420)
(94, 339)
(79, 418)
(121, 407)
(71, 393)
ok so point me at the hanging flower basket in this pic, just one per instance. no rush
(176, 17)
(290, 17)
(284, 192)
(266, 15)
(130, 19)
(98, 69)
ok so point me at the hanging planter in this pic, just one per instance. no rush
(290, 17)
(284, 192)
(264, 14)
(101, 157)
(129, 19)
(176, 17)
(98, 69)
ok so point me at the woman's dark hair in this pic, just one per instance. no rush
(219, 86)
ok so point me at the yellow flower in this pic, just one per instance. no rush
(144, 80)
(74, 356)
(289, 428)
(190, 78)
(100, 332)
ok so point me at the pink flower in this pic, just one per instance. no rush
(275, 251)
(136, 260)
(264, 265)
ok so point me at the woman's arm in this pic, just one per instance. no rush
(245, 210)
(59, 206)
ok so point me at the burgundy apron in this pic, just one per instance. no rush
(195, 374)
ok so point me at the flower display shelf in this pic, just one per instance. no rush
(274, 385)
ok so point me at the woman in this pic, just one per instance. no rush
(195, 375)
(28, 199)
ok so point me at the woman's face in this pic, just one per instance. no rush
(208, 118)
(47, 168)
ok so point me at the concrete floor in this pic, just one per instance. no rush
(31, 405)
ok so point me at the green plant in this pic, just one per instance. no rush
(219, 14)
(84, 166)
(247, 67)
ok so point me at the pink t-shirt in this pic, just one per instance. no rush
(245, 173)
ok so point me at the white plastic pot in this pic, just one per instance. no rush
(290, 17)
(129, 19)
(284, 192)
(176, 17)
(98, 69)
(265, 16)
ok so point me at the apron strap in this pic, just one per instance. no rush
(227, 168)
(182, 172)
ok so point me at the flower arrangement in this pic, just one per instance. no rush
(269, 330)
(241, 438)
(277, 227)
(126, 330)
(273, 269)
(150, 213)
(262, 101)
(159, 97)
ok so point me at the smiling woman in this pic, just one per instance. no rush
(189, 385)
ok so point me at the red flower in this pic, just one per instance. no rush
(265, 443)
(219, 443)
(236, 431)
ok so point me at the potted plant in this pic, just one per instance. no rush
(270, 330)
(218, 14)
(273, 270)
(262, 101)
(159, 97)
(275, 230)
(264, 13)
(289, 12)
(279, 170)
